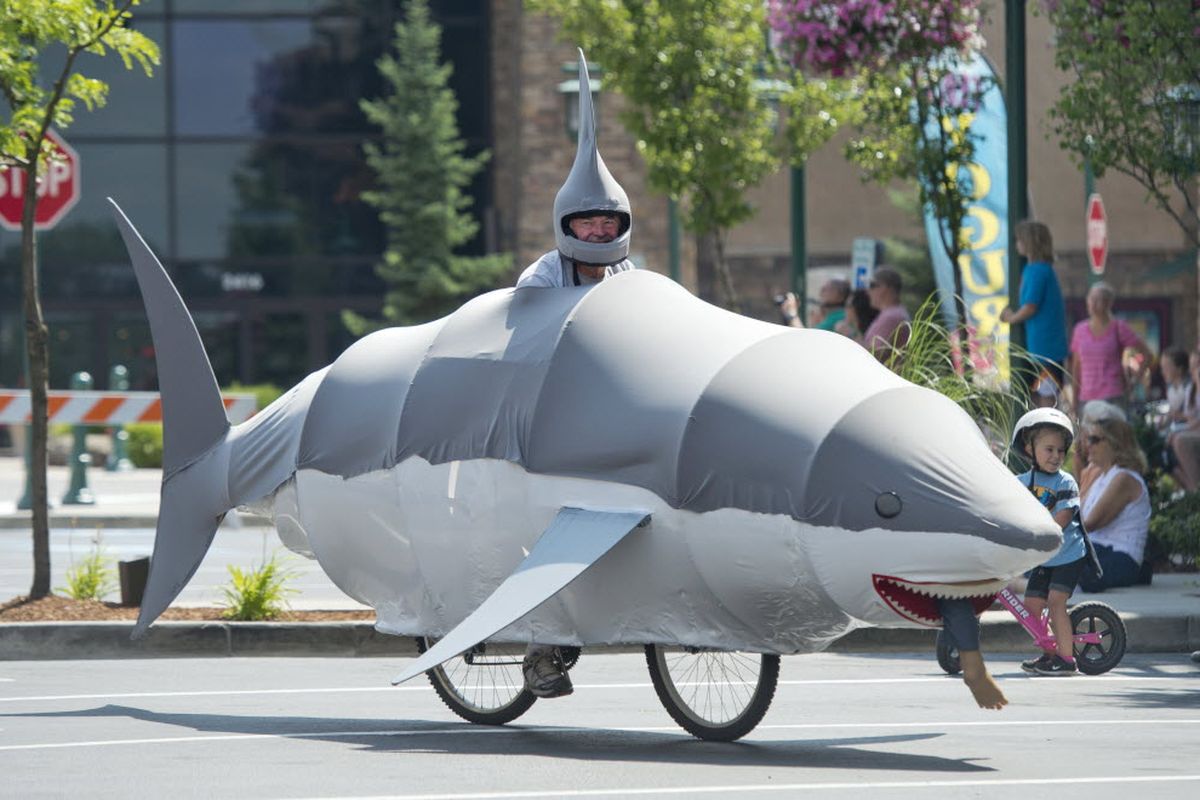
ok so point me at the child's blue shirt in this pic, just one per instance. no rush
(1058, 491)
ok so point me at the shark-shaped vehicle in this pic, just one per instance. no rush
(615, 464)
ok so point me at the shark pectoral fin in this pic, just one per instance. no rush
(575, 540)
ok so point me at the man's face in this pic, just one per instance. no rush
(595, 228)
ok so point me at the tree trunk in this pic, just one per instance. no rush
(732, 301)
(36, 348)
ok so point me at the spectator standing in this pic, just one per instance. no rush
(1098, 346)
(1041, 301)
(1115, 504)
(890, 330)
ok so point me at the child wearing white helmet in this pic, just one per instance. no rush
(1044, 435)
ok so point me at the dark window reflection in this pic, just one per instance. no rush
(241, 77)
(83, 256)
(137, 103)
(130, 345)
(274, 199)
(70, 345)
(226, 8)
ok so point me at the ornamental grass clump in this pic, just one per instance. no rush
(931, 358)
(256, 595)
(91, 578)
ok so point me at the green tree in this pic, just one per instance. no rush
(1133, 71)
(422, 176)
(37, 38)
(690, 72)
(914, 123)
(909, 107)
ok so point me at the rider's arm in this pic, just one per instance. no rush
(1123, 490)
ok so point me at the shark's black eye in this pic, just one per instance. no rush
(888, 505)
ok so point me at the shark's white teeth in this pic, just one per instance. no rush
(977, 589)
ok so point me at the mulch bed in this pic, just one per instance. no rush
(55, 608)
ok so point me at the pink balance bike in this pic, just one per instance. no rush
(1099, 635)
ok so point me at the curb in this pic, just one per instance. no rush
(45, 641)
(22, 520)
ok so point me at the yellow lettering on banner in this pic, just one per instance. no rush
(985, 229)
(993, 266)
(981, 180)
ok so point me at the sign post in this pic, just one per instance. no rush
(58, 190)
(1097, 234)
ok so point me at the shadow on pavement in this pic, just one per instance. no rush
(587, 744)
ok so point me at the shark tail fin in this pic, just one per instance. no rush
(194, 491)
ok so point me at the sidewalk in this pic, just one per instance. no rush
(1162, 617)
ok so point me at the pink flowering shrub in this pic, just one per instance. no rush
(837, 38)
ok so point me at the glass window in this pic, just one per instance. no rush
(84, 256)
(70, 345)
(130, 345)
(137, 102)
(228, 8)
(274, 199)
(242, 77)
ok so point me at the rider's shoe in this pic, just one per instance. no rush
(1031, 666)
(1057, 666)
(544, 673)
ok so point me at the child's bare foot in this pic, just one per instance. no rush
(975, 675)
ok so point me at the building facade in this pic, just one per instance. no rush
(241, 163)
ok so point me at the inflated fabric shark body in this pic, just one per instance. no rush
(491, 474)
(614, 463)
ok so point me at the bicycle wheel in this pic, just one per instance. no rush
(483, 685)
(947, 655)
(713, 695)
(1095, 617)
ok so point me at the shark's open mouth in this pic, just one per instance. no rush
(917, 601)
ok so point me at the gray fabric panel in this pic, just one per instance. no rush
(185, 379)
(758, 424)
(616, 399)
(355, 413)
(473, 396)
(918, 444)
(265, 447)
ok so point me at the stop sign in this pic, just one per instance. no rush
(58, 190)
(1097, 234)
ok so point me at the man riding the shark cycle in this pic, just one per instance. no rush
(592, 226)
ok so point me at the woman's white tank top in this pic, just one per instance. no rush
(1128, 530)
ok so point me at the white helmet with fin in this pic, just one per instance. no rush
(590, 187)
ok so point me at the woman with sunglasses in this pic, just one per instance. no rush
(1115, 503)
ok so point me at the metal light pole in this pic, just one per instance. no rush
(1018, 178)
(799, 238)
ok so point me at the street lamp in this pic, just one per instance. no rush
(771, 91)
(1182, 127)
(569, 89)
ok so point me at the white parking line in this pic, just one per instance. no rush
(786, 787)
(465, 730)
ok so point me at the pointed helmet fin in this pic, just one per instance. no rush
(590, 187)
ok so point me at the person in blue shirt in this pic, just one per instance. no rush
(1044, 435)
(1042, 308)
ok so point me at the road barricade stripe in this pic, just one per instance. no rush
(106, 408)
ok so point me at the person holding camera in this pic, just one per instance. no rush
(832, 309)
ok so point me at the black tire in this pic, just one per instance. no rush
(947, 655)
(483, 685)
(1096, 617)
(732, 703)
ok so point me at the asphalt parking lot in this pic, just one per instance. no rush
(891, 725)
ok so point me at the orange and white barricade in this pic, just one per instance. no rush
(105, 408)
